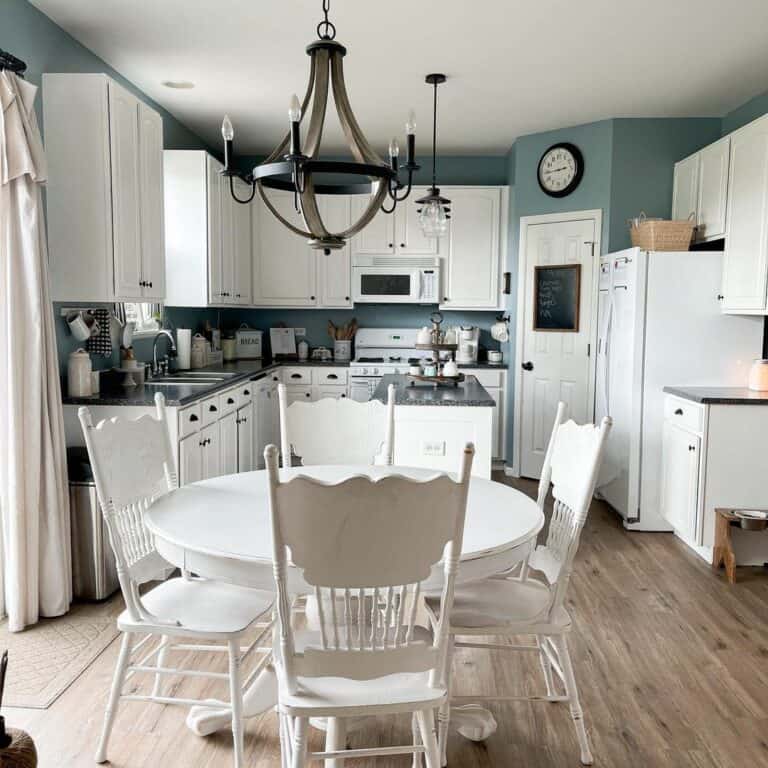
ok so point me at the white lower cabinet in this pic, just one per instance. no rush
(228, 441)
(244, 420)
(266, 418)
(713, 456)
(495, 382)
(191, 459)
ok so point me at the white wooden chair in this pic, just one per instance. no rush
(337, 430)
(133, 466)
(511, 606)
(364, 547)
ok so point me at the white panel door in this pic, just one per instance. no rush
(680, 479)
(378, 237)
(335, 268)
(211, 451)
(126, 217)
(744, 266)
(216, 225)
(685, 188)
(151, 203)
(228, 443)
(410, 240)
(242, 274)
(713, 189)
(284, 265)
(245, 438)
(190, 459)
(556, 364)
(471, 269)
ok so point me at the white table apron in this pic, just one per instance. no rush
(220, 529)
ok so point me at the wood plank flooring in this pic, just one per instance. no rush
(671, 661)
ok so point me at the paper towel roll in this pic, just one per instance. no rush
(184, 348)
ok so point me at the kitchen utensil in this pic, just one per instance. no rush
(758, 376)
(79, 371)
(183, 348)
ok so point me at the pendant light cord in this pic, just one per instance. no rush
(434, 138)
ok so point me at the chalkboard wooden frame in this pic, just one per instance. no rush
(575, 297)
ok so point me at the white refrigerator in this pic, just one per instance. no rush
(659, 324)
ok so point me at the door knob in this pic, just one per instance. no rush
(528, 366)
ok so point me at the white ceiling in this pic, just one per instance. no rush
(513, 67)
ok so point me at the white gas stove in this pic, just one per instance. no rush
(379, 351)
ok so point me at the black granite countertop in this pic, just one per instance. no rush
(485, 364)
(719, 395)
(470, 393)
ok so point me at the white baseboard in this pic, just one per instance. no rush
(511, 471)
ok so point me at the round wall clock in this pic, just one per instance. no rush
(560, 169)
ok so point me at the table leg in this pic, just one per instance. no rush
(215, 715)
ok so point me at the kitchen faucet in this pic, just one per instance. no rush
(155, 366)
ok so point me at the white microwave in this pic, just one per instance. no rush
(396, 279)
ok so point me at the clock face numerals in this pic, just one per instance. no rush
(560, 170)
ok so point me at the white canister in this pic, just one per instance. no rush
(342, 349)
(79, 371)
(183, 348)
(450, 368)
(424, 336)
(199, 355)
(303, 349)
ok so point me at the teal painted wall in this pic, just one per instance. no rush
(643, 154)
(746, 113)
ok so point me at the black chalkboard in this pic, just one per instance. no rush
(556, 298)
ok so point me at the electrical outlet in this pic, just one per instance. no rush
(433, 448)
(297, 332)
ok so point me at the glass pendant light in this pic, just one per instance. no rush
(434, 211)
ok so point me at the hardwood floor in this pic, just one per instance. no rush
(671, 661)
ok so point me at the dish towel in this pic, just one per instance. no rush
(101, 344)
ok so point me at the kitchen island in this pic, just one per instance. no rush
(432, 426)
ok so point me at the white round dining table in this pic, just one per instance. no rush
(220, 529)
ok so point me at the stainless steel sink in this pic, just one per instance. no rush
(174, 381)
(211, 374)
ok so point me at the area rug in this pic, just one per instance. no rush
(44, 660)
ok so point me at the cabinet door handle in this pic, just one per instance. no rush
(691, 447)
(679, 412)
(245, 420)
(295, 376)
(193, 417)
(332, 376)
(527, 366)
(230, 401)
(274, 378)
(246, 391)
(720, 297)
(212, 408)
(149, 283)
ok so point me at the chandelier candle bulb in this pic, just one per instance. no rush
(228, 133)
(294, 115)
(394, 151)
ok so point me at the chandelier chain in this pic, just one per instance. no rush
(325, 29)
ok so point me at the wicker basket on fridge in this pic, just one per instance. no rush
(661, 235)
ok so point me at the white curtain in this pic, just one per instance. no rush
(34, 501)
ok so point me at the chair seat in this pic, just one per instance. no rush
(203, 608)
(339, 697)
(499, 606)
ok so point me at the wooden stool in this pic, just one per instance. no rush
(723, 553)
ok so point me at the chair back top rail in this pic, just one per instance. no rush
(365, 545)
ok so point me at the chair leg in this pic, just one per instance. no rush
(299, 757)
(114, 697)
(236, 700)
(573, 699)
(161, 657)
(416, 762)
(426, 720)
(444, 713)
(285, 742)
(546, 667)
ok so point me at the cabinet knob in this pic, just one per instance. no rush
(311, 298)
(193, 417)
(307, 394)
(391, 245)
(346, 298)
(720, 297)
(343, 394)
(678, 412)
(527, 366)
(230, 401)
(246, 391)
(402, 245)
(445, 298)
(691, 447)
(212, 408)
(149, 283)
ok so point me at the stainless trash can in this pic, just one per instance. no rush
(94, 575)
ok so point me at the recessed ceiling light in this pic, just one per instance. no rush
(182, 85)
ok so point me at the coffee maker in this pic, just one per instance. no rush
(468, 340)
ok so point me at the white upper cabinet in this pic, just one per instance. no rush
(475, 252)
(105, 188)
(713, 190)
(284, 266)
(744, 266)
(701, 188)
(685, 193)
(410, 240)
(207, 233)
(378, 237)
(335, 268)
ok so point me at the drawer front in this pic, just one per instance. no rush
(323, 392)
(275, 376)
(298, 394)
(297, 376)
(227, 402)
(189, 420)
(245, 394)
(330, 376)
(210, 411)
(487, 378)
(684, 413)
